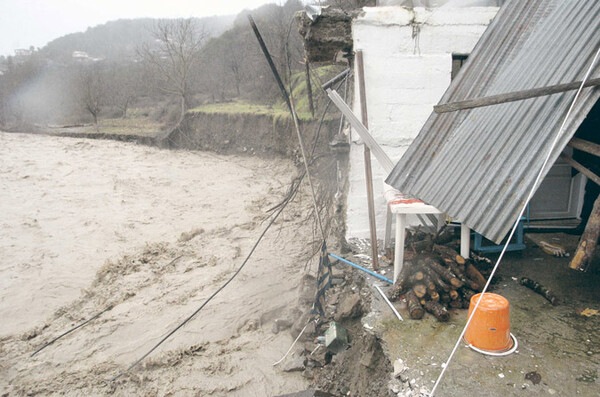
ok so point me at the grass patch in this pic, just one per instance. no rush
(243, 107)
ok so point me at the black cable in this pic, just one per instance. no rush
(207, 300)
(71, 330)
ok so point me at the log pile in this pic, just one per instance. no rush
(437, 278)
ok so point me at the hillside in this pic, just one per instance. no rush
(118, 40)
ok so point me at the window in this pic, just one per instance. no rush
(457, 61)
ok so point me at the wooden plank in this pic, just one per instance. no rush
(513, 96)
(593, 177)
(367, 155)
(382, 158)
(585, 146)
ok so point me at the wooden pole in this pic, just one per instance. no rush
(367, 154)
(585, 146)
(588, 241)
(309, 93)
(513, 96)
(593, 177)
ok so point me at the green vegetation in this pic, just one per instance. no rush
(244, 107)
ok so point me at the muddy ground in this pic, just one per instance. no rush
(558, 346)
(150, 233)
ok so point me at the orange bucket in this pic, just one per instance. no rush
(489, 330)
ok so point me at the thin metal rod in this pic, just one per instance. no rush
(367, 155)
(334, 80)
(512, 232)
(389, 303)
(513, 96)
(379, 276)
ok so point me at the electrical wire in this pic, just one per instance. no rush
(510, 236)
(273, 219)
(71, 330)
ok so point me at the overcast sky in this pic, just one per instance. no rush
(36, 22)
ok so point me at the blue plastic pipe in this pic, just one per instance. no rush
(379, 276)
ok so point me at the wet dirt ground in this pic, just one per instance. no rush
(558, 347)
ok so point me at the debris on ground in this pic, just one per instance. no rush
(534, 377)
(540, 289)
(553, 249)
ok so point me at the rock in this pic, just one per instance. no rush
(308, 374)
(534, 377)
(309, 332)
(399, 368)
(275, 328)
(368, 359)
(349, 307)
(294, 364)
(320, 357)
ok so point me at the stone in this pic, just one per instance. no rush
(399, 368)
(350, 307)
(294, 364)
(308, 374)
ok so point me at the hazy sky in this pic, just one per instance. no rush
(36, 22)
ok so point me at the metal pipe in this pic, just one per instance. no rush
(334, 80)
(389, 303)
(379, 276)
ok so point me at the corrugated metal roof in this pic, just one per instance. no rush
(478, 165)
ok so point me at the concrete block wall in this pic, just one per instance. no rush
(408, 62)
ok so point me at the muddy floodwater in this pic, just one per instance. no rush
(89, 224)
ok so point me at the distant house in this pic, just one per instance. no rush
(22, 52)
(80, 56)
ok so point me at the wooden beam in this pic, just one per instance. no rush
(513, 96)
(593, 177)
(585, 146)
(367, 154)
(588, 241)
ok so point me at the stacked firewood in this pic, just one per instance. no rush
(435, 278)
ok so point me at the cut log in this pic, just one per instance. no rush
(453, 294)
(456, 304)
(588, 241)
(414, 307)
(540, 289)
(424, 245)
(466, 294)
(444, 236)
(448, 254)
(444, 273)
(420, 290)
(400, 286)
(428, 283)
(444, 297)
(475, 276)
(438, 310)
(481, 261)
(437, 280)
(416, 277)
(434, 296)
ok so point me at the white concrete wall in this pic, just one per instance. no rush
(404, 79)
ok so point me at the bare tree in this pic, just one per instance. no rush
(177, 46)
(92, 91)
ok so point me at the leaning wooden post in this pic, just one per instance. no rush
(367, 153)
(588, 241)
